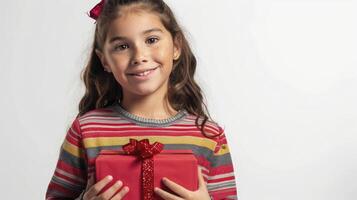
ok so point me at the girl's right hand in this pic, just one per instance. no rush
(93, 191)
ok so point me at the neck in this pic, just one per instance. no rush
(152, 106)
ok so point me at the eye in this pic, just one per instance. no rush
(120, 47)
(152, 40)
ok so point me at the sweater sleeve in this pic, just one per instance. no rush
(221, 183)
(70, 176)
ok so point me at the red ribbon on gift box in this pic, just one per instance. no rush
(144, 150)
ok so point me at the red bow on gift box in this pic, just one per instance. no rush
(145, 151)
(142, 148)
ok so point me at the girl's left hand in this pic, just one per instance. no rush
(185, 194)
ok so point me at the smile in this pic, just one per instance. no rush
(144, 75)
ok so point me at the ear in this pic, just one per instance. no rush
(177, 47)
(102, 60)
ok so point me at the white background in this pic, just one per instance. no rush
(279, 76)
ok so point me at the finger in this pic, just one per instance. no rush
(96, 188)
(91, 180)
(165, 195)
(178, 189)
(111, 191)
(201, 180)
(121, 194)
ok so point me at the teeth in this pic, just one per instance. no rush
(144, 73)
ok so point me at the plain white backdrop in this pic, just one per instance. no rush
(279, 76)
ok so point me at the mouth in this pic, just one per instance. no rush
(144, 73)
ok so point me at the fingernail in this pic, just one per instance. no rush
(110, 177)
(119, 183)
(126, 188)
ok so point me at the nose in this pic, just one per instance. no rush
(139, 55)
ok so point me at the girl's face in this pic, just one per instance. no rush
(137, 42)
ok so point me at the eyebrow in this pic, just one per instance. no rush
(143, 33)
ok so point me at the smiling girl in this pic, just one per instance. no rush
(140, 84)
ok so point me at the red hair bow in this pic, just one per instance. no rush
(96, 10)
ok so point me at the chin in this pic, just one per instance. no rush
(145, 91)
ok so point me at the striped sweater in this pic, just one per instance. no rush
(111, 127)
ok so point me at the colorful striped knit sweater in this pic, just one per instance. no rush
(111, 127)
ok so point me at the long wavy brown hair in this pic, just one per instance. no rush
(103, 90)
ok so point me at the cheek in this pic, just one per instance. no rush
(120, 62)
(119, 58)
(165, 54)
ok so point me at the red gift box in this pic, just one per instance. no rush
(132, 169)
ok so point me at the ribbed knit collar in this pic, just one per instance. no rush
(148, 121)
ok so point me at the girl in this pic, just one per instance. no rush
(140, 84)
